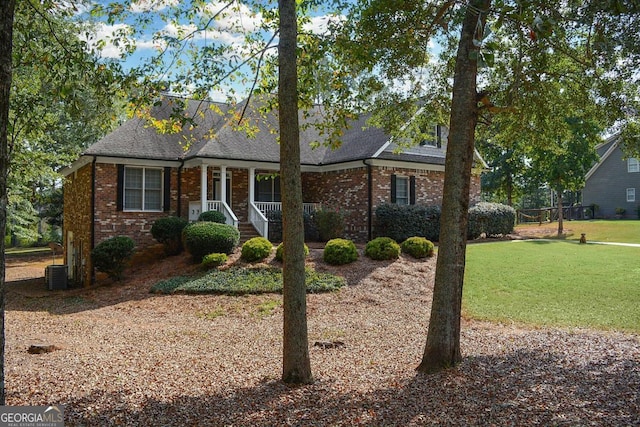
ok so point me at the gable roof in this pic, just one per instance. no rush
(604, 150)
(216, 136)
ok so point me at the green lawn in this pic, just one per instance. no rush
(554, 284)
(625, 231)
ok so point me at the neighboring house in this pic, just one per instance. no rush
(613, 182)
(135, 175)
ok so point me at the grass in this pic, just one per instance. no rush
(242, 281)
(554, 284)
(623, 231)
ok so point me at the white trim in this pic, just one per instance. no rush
(382, 149)
(634, 195)
(78, 164)
(604, 157)
(223, 183)
(637, 165)
(402, 128)
(86, 159)
(406, 165)
(203, 187)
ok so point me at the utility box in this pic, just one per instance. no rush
(56, 277)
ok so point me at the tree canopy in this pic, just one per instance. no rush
(62, 99)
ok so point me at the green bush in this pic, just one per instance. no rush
(212, 216)
(339, 252)
(256, 249)
(493, 219)
(417, 247)
(242, 281)
(214, 260)
(203, 238)
(403, 221)
(382, 248)
(168, 231)
(111, 255)
(329, 224)
(280, 252)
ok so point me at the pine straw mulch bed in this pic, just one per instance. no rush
(128, 357)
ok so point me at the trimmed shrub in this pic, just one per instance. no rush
(382, 248)
(417, 247)
(400, 222)
(329, 223)
(256, 249)
(212, 216)
(111, 255)
(339, 252)
(493, 219)
(203, 238)
(214, 260)
(280, 252)
(168, 231)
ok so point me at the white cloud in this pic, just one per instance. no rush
(108, 34)
(237, 17)
(319, 24)
(212, 35)
(140, 6)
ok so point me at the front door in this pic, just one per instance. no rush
(217, 192)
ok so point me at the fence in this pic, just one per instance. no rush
(551, 214)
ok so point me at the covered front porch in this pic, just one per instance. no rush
(241, 202)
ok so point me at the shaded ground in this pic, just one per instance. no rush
(128, 357)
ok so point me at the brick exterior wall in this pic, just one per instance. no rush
(77, 224)
(110, 222)
(346, 190)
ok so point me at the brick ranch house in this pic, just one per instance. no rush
(135, 175)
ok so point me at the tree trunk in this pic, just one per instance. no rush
(296, 366)
(560, 216)
(6, 39)
(442, 349)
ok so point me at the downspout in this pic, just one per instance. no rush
(369, 201)
(92, 277)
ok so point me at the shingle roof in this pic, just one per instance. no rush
(216, 136)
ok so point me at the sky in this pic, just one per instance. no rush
(229, 29)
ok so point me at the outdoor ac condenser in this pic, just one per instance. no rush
(56, 277)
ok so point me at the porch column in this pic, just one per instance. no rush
(252, 180)
(203, 188)
(223, 184)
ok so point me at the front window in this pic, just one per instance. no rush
(142, 189)
(435, 137)
(633, 165)
(631, 194)
(402, 190)
(267, 188)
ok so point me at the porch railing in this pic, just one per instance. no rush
(220, 206)
(258, 220)
(258, 210)
(277, 206)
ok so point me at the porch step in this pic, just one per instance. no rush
(247, 231)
